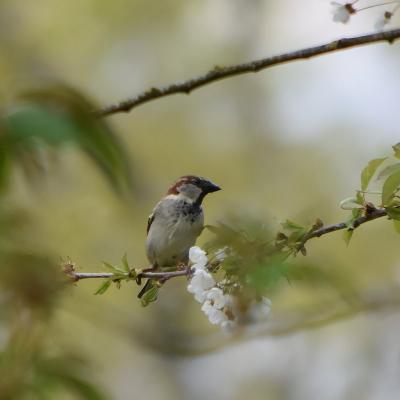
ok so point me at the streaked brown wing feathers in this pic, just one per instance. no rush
(149, 222)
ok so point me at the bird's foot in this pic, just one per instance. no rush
(139, 276)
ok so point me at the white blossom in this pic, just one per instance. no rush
(228, 326)
(220, 254)
(198, 257)
(221, 309)
(200, 295)
(342, 12)
(260, 310)
(216, 297)
(215, 316)
(383, 20)
(231, 304)
(200, 282)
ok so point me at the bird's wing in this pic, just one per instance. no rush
(149, 222)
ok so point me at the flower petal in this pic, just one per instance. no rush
(201, 281)
(228, 326)
(260, 311)
(216, 297)
(214, 315)
(200, 296)
(198, 257)
(341, 12)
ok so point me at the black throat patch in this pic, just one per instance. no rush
(188, 210)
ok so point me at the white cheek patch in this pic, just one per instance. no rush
(191, 191)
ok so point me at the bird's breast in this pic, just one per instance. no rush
(173, 231)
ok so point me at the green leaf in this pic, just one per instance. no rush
(110, 267)
(390, 187)
(212, 228)
(58, 116)
(29, 123)
(356, 213)
(396, 149)
(318, 224)
(4, 163)
(86, 390)
(103, 287)
(297, 235)
(125, 263)
(369, 171)
(267, 275)
(67, 372)
(347, 235)
(280, 236)
(149, 296)
(389, 170)
(360, 198)
(133, 274)
(118, 272)
(291, 226)
(393, 213)
(396, 224)
(350, 203)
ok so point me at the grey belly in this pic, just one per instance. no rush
(169, 245)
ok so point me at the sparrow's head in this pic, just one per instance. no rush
(192, 188)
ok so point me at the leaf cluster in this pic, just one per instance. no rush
(42, 122)
(388, 177)
(119, 274)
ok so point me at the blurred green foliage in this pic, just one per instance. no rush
(32, 131)
(47, 119)
(31, 287)
(259, 262)
(28, 374)
(232, 132)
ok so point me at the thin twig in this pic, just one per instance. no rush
(69, 267)
(69, 270)
(218, 72)
(370, 216)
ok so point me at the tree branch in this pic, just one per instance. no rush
(370, 216)
(69, 270)
(163, 276)
(219, 73)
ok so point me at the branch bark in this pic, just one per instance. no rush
(69, 270)
(370, 216)
(219, 73)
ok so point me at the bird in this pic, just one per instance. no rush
(175, 224)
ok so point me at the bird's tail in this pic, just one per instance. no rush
(147, 286)
(149, 292)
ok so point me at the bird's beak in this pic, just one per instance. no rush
(211, 187)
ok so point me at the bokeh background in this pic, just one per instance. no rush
(288, 142)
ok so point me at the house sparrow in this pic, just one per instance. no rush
(175, 223)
